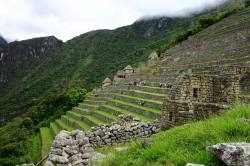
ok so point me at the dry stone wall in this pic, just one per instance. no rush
(199, 96)
(77, 147)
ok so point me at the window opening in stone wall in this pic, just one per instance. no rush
(170, 116)
(195, 93)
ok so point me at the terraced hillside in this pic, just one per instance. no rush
(215, 51)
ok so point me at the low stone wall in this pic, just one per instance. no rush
(205, 110)
(104, 135)
(77, 147)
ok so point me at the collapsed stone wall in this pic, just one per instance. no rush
(77, 147)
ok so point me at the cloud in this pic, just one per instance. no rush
(23, 19)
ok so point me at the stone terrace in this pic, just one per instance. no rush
(197, 78)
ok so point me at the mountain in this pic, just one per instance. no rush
(18, 58)
(86, 60)
(32, 91)
(2, 40)
(89, 57)
(29, 73)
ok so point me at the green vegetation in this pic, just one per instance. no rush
(247, 3)
(138, 106)
(203, 23)
(187, 143)
(20, 141)
(46, 139)
(57, 83)
(123, 111)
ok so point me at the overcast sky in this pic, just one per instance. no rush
(65, 19)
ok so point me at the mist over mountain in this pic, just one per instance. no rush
(2, 40)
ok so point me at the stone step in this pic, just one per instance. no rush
(81, 116)
(87, 106)
(54, 129)
(146, 111)
(63, 126)
(106, 94)
(103, 116)
(106, 114)
(146, 95)
(152, 78)
(93, 98)
(152, 89)
(81, 111)
(140, 101)
(166, 84)
(72, 120)
(94, 102)
(78, 114)
(96, 120)
(117, 111)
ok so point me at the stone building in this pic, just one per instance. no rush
(128, 70)
(107, 82)
(122, 74)
(153, 56)
(199, 96)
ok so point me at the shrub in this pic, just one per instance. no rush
(27, 123)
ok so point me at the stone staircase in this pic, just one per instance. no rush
(221, 51)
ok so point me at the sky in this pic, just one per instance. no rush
(65, 19)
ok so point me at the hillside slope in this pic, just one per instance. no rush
(144, 93)
(186, 144)
(90, 58)
(19, 58)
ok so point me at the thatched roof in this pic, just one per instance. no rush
(107, 80)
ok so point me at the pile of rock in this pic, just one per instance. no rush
(76, 148)
(124, 130)
(72, 148)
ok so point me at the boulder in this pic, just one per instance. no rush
(233, 154)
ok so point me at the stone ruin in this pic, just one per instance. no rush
(199, 96)
(107, 82)
(153, 56)
(77, 148)
(122, 74)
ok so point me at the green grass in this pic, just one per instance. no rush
(187, 143)
(82, 109)
(81, 123)
(94, 101)
(35, 148)
(149, 93)
(138, 106)
(94, 119)
(110, 116)
(47, 140)
(54, 128)
(152, 87)
(137, 98)
(87, 105)
(123, 111)
(64, 126)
